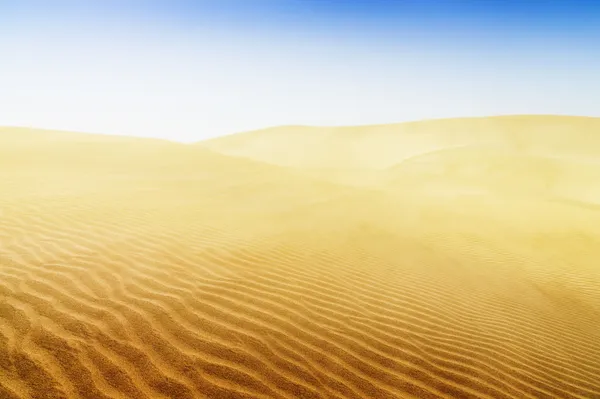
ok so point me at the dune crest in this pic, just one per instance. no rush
(438, 259)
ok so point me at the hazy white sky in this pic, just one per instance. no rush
(183, 72)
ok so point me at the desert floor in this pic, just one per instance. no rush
(441, 259)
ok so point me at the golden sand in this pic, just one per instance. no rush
(440, 259)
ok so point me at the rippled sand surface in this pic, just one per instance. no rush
(440, 259)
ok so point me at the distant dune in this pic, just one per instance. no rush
(452, 258)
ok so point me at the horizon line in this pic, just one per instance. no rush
(415, 121)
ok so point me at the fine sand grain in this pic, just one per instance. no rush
(440, 259)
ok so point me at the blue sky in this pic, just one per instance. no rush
(189, 70)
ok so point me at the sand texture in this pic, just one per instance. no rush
(440, 259)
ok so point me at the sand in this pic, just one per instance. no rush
(440, 259)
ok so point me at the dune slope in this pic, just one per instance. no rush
(446, 259)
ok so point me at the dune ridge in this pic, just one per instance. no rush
(439, 259)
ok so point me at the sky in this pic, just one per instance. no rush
(189, 70)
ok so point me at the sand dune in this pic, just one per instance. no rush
(440, 259)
